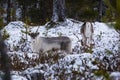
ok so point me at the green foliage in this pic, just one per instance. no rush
(88, 14)
(81, 9)
(110, 16)
(37, 15)
(13, 14)
(103, 73)
(24, 32)
(89, 50)
(26, 29)
(5, 35)
(110, 12)
(59, 34)
(117, 26)
(118, 5)
(26, 2)
(1, 11)
(1, 23)
(37, 12)
(108, 52)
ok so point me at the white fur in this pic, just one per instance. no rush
(35, 44)
(87, 35)
(88, 32)
(38, 44)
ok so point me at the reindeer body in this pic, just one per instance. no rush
(45, 44)
(87, 33)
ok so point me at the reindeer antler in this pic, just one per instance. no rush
(37, 29)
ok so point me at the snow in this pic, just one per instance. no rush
(18, 77)
(14, 30)
(115, 74)
(109, 38)
(105, 39)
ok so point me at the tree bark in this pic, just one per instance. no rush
(8, 11)
(5, 61)
(43, 11)
(58, 10)
(23, 11)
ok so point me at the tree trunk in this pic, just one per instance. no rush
(8, 11)
(23, 11)
(13, 10)
(58, 10)
(5, 61)
(43, 11)
(100, 10)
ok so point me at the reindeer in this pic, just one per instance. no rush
(44, 44)
(87, 34)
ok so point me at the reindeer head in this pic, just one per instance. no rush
(33, 35)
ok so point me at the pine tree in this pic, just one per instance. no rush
(110, 12)
(84, 10)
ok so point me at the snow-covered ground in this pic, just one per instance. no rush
(106, 40)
